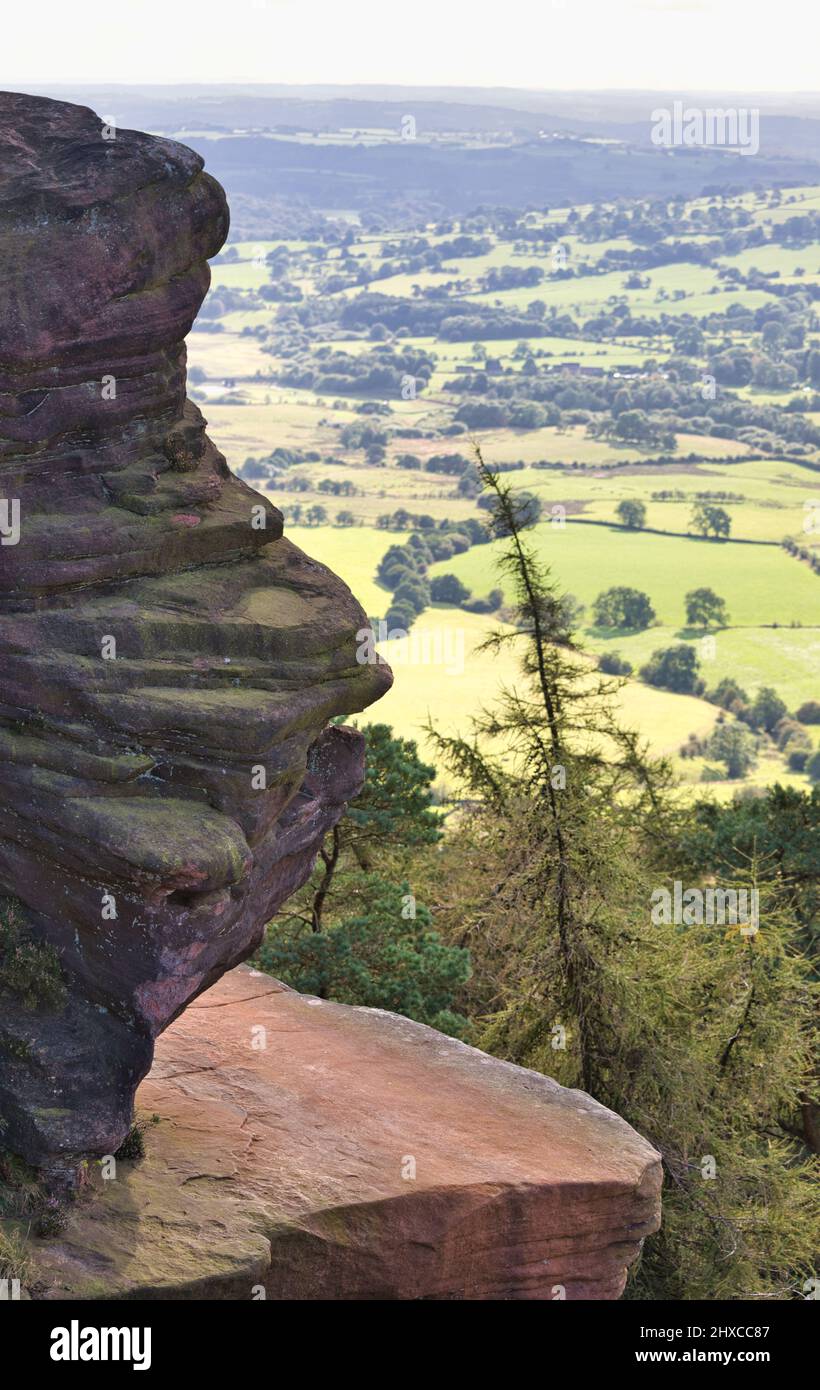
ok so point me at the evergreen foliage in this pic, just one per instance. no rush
(700, 1035)
(356, 933)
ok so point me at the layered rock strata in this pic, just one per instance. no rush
(169, 662)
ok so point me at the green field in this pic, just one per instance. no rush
(761, 585)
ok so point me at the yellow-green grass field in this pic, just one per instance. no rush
(368, 509)
(786, 658)
(240, 275)
(439, 672)
(382, 489)
(700, 285)
(573, 445)
(428, 682)
(240, 431)
(457, 268)
(806, 198)
(438, 668)
(238, 319)
(757, 479)
(779, 498)
(703, 291)
(769, 770)
(784, 259)
(227, 354)
(750, 521)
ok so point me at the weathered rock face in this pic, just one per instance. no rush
(168, 662)
(317, 1151)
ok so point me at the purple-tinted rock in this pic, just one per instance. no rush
(168, 661)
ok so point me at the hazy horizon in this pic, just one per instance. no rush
(720, 46)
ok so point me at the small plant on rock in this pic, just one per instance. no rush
(133, 1145)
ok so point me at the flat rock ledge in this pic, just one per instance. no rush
(309, 1150)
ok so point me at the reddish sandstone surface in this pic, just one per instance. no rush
(310, 1150)
(168, 661)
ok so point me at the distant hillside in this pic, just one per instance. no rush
(534, 173)
(339, 149)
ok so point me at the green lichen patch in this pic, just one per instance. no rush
(29, 969)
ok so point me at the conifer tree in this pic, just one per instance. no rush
(699, 1034)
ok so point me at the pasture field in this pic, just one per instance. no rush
(766, 521)
(762, 585)
(769, 499)
(757, 480)
(241, 275)
(574, 445)
(700, 288)
(370, 507)
(783, 259)
(227, 355)
(786, 658)
(440, 673)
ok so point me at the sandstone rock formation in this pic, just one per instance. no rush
(168, 662)
(310, 1150)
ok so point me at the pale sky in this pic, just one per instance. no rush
(716, 45)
